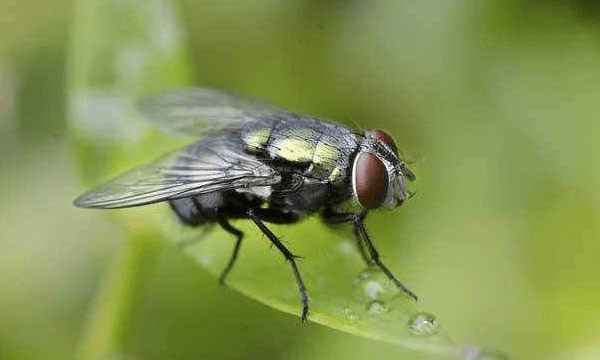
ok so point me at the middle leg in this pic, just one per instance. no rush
(291, 258)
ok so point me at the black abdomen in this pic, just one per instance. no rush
(200, 209)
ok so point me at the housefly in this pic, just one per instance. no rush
(258, 162)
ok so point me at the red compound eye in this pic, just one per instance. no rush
(370, 180)
(383, 137)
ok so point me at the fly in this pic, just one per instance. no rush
(256, 161)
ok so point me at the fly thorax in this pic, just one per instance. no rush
(317, 149)
(256, 139)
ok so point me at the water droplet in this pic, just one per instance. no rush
(377, 307)
(347, 247)
(373, 289)
(362, 276)
(350, 314)
(372, 285)
(423, 324)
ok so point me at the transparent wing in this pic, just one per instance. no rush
(209, 165)
(199, 111)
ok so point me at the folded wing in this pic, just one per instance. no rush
(216, 163)
(200, 111)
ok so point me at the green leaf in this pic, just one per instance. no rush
(343, 294)
(121, 50)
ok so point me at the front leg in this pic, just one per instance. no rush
(335, 218)
(357, 221)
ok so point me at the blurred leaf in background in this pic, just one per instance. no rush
(496, 102)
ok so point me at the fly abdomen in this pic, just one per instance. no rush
(186, 211)
(198, 209)
(214, 206)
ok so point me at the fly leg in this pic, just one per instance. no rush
(275, 216)
(238, 243)
(357, 221)
(334, 218)
(361, 249)
(291, 258)
(360, 229)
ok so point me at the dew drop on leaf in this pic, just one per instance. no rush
(377, 307)
(350, 314)
(371, 285)
(423, 324)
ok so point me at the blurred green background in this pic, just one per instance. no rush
(495, 102)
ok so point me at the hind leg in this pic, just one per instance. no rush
(238, 243)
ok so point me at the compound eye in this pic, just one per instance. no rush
(383, 137)
(370, 180)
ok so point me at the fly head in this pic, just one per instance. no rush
(378, 175)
